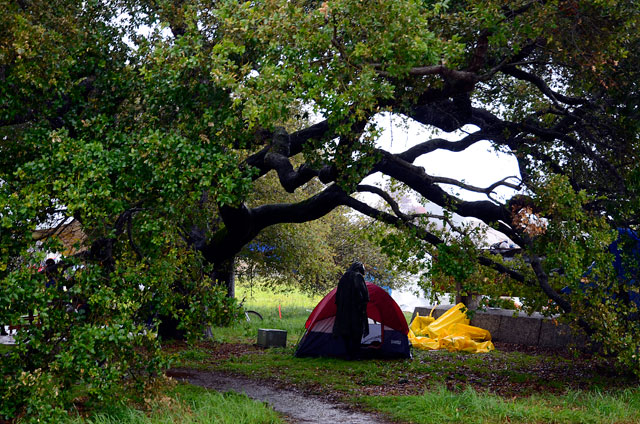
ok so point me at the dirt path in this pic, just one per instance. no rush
(297, 406)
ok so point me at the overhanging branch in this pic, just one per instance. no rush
(487, 190)
(416, 178)
(296, 142)
(240, 228)
(554, 96)
(425, 235)
(387, 198)
(429, 146)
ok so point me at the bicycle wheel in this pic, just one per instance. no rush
(252, 315)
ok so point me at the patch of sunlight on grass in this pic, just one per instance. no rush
(257, 296)
(284, 310)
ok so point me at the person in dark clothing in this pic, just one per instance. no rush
(51, 272)
(351, 322)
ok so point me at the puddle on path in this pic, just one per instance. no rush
(298, 407)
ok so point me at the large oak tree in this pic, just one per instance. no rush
(149, 121)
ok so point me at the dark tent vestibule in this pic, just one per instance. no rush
(388, 329)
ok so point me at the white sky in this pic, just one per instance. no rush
(479, 165)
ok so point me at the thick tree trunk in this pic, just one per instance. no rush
(471, 301)
(224, 275)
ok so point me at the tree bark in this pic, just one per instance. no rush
(224, 275)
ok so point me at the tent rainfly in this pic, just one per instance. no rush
(387, 329)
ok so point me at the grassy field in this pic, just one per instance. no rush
(502, 386)
(5, 349)
(294, 307)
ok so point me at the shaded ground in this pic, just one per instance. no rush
(215, 351)
(511, 371)
(297, 406)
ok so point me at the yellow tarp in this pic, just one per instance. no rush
(451, 331)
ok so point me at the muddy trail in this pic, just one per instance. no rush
(298, 407)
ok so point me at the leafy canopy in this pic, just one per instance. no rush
(150, 123)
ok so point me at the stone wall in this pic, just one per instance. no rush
(517, 327)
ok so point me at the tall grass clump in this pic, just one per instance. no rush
(441, 405)
(187, 404)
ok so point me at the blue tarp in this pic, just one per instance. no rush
(626, 262)
(626, 251)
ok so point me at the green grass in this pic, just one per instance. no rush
(515, 374)
(259, 297)
(469, 406)
(5, 349)
(329, 373)
(188, 404)
(523, 398)
(437, 386)
(292, 321)
(295, 308)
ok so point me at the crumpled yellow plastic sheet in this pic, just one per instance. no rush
(451, 331)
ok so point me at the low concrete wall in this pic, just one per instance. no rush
(517, 327)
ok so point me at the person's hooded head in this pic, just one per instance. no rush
(356, 267)
(50, 266)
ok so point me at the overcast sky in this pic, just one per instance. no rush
(479, 165)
